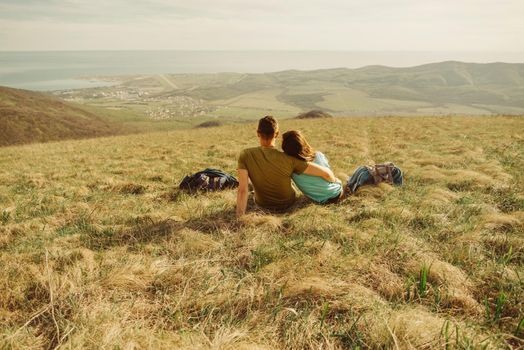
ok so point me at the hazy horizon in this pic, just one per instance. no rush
(424, 56)
(57, 40)
(53, 70)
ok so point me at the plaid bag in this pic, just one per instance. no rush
(373, 175)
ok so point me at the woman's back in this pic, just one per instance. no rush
(316, 187)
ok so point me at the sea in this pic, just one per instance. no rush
(61, 70)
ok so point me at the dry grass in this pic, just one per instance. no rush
(98, 250)
(27, 116)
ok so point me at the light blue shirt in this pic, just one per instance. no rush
(315, 187)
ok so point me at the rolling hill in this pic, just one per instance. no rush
(27, 117)
(443, 88)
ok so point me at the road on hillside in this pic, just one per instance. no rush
(168, 81)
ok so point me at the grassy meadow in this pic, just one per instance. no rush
(99, 250)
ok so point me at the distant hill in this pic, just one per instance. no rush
(432, 89)
(209, 124)
(437, 88)
(27, 117)
(313, 115)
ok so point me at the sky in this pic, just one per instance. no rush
(374, 25)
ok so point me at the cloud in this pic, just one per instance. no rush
(262, 24)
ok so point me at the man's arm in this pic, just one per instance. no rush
(243, 191)
(323, 172)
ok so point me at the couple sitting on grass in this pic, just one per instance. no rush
(271, 171)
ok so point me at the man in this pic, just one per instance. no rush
(270, 171)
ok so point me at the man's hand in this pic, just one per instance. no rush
(243, 191)
(323, 172)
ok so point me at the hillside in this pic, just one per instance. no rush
(314, 115)
(98, 250)
(27, 117)
(443, 88)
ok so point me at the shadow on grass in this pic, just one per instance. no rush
(148, 230)
(214, 222)
(142, 232)
(301, 202)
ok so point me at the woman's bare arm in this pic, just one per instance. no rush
(318, 170)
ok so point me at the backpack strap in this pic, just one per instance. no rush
(382, 172)
(215, 183)
(208, 180)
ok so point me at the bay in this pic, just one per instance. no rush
(59, 70)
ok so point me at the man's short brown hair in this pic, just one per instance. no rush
(267, 127)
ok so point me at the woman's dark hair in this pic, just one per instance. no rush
(294, 144)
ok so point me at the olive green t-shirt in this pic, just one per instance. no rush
(270, 173)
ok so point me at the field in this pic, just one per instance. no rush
(99, 250)
(444, 88)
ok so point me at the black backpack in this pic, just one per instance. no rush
(208, 180)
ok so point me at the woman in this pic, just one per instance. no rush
(314, 187)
